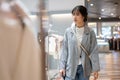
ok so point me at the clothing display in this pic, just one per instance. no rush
(10, 33)
(19, 48)
(28, 64)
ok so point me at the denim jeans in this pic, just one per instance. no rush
(79, 74)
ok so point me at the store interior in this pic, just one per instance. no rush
(103, 18)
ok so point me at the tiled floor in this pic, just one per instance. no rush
(110, 66)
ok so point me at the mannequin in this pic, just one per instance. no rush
(19, 48)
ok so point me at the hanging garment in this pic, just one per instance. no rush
(28, 63)
(10, 32)
(19, 49)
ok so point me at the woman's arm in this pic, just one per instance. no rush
(94, 55)
(63, 55)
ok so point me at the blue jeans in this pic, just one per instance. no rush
(79, 74)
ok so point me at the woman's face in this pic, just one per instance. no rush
(77, 17)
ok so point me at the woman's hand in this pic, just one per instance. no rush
(62, 72)
(95, 74)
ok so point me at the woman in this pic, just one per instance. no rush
(74, 63)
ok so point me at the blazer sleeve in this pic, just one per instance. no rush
(64, 52)
(94, 52)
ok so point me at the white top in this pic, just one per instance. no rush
(79, 35)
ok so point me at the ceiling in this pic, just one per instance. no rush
(98, 10)
(108, 10)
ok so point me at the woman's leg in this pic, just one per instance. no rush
(79, 74)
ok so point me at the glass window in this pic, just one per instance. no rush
(106, 31)
(109, 29)
(93, 25)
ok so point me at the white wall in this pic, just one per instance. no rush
(57, 8)
(60, 22)
(56, 5)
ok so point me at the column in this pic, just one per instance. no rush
(43, 20)
(99, 28)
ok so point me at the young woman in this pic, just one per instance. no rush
(75, 63)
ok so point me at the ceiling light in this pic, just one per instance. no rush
(88, 0)
(91, 4)
(102, 10)
(99, 17)
(111, 14)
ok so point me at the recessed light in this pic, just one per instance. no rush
(111, 14)
(91, 4)
(102, 9)
(99, 18)
(88, 0)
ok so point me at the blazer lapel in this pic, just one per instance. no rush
(85, 36)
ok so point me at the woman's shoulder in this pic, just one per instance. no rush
(68, 29)
(90, 29)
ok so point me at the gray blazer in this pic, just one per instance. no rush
(69, 57)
